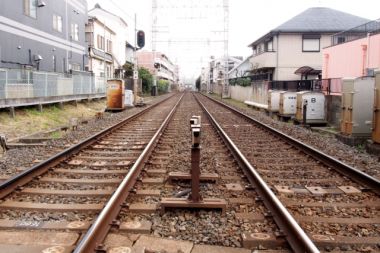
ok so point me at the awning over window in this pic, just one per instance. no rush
(306, 71)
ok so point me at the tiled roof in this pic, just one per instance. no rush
(317, 20)
(320, 19)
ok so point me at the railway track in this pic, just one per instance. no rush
(101, 194)
(172, 155)
(47, 207)
(336, 205)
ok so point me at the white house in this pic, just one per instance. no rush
(100, 43)
(123, 38)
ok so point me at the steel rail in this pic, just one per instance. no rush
(357, 175)
(98, 231)
(26, 176)
(294, 234)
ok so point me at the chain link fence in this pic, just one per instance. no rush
(21, 83)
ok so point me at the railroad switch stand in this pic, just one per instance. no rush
(195, 122)
(195, 199)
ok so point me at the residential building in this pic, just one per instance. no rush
(242, 70)
(100, 42)
(282, 52)
(293, 50)
(43, 35)
(123, 37)
(216, 70)
(158, 63)
(362, 43)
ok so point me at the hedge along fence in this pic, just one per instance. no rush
(163, 86)
(241, 81)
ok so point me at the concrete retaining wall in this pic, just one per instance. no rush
(241, 93)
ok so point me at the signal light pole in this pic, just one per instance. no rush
(140, 40)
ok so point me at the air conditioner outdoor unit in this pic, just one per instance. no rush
(370, 72)
(38, 57)
(41, 3)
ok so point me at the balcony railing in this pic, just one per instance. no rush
(358, 32)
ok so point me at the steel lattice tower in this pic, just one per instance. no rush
(173, 24)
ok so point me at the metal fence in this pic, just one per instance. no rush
(21, 83)
(358, 32)
(328, 86)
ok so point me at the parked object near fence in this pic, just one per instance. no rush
(288, 103)
(357, 106)
(315, 107)
(376, 110)
(22, 87)
(129, 98)
(115, 95)
(274, 100)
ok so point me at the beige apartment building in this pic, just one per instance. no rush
(165, 69)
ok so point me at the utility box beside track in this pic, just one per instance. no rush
(288, 103)
(376, 110)
(357, 104)
(115, 95)
(274, 100)
(315, 107)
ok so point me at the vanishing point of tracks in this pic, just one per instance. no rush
(98, 193)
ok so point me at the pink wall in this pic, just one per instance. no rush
(145, 59)
(352, 58)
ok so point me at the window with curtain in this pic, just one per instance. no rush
(75, 32)
(30, 8)
(57, 23)
(311, 43)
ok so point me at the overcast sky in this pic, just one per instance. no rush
(248, 20)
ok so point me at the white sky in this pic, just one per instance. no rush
(248, 20)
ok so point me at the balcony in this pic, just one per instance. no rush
(361, 31)
(266, 59)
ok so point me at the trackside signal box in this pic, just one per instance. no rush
(115, 95)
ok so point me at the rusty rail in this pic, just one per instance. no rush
(294, 234)
(344, 169)
(26, 176)
(92, 240)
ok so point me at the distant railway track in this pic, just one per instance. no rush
(336, 204)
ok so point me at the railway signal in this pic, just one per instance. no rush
(140, 39)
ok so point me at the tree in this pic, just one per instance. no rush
(163, 86)
(147, 80)
(128, 67)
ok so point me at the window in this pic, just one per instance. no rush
(54, 63)
(341, 40)
(269, 46)
(57, 23)
(100, 42)
(311, 43)
(75, 32)
(259, 49)
(75, 66)
(30, 8)
(109, 46)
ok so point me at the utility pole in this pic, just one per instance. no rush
(104, 51)
(135, 68)
(154, 34)
(226, 86)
